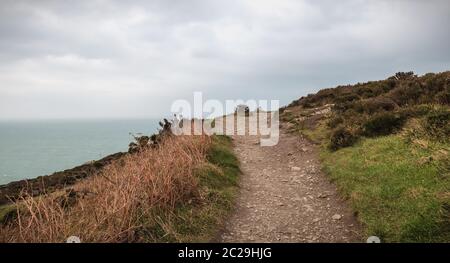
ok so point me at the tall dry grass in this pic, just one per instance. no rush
(118, 205)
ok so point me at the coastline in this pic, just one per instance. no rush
(55, 181)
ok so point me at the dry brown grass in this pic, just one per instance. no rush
(120, 204)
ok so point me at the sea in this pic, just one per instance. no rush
(29, 149)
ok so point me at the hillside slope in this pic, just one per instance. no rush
(386, 145)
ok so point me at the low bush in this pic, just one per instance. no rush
(404, 75)
(334, 121)
(342, 137)
(443, 97)
(382, 124)
(378, 104)
(347, 98)
(406, 93)
(415, 111)
(437, 125)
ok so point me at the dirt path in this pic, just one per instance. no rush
(284, 196)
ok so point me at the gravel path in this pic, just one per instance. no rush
(284, 197)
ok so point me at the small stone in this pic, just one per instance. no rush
(315, 220)
(295, 168)
(336, 217)
(323, 195)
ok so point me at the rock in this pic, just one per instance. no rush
(315, 220)
(323, 195)
(295, 168)
(336, 217)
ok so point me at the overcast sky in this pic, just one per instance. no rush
(122, 59)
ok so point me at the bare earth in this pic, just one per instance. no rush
(284, 197)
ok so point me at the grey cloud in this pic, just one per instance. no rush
(133, 58)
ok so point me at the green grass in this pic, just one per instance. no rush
(396, 195)
(319, 134)
(398, 185)
(201, 220)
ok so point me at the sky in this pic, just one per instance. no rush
(132, 59)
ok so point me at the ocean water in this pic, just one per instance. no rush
(32, 148)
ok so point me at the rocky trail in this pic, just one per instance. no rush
(284, 196)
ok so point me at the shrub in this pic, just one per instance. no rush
(347, 98)
(335, 121)
(378, 104)
(342, 137)
(415, 111)
(407, 93)
(438, 125)
(443, 97)
(404, 75)
(345, 106)
(375, 89)
(382, 124)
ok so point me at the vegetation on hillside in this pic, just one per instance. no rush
(179, 191)
(386, 144)
(382, 107)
